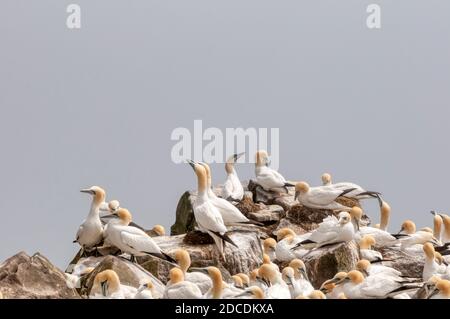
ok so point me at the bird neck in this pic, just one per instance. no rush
(229, 168)
(217, 288)
(384, 220)
(95, 209)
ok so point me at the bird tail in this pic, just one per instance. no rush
(220, 243)
(225, 238)
(304, 242)
(398, 236)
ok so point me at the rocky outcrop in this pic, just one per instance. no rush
(243, 259)
(325, 262)
(25, 277)
(410, 265)
(130, 274)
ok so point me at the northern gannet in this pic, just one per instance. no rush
(107, 286)
(295, 287)
(90, 232)
(145, 291)
(446, 232)
(110, 206)
(442, 290)
(437, 227)
(321, 197)
(157, 230)
(331, 287)
(316, 294)
(286, 240)
(368, 269)
(382, 237)
(266, 177)
(178, 288)
(183, 259)
(277, 288)
(267, 261)
(219, 289)
(331, 231)
(357, 193)
(414, 238)
(431, 267)
(208, 217)
(132, 240)
(232, 188)
(365, 249)
(301, 276)
(245, 279)
(355, 286)
(256, 280)
(237, 282)
(269, 245)
(231, 215)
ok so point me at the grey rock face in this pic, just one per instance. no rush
(25, 277)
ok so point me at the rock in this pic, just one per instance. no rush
(247, 206)
(323, 263)
(286, 201)
(25, 277)
(243, 259)
(185, 220)
(287, 223)
(410, 265)
(270, 214)
(129, 273)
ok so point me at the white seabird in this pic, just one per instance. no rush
(107, 286)
(331, 231)
(208, 217)
(268, 178)
(132, 240)
(321, 197)
(202, 280)
(178, 288)
(232, 188)
(90, 232)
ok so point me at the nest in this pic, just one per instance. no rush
(246, 206)
(308, 218)
(197, 238)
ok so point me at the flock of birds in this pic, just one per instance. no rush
(214, 215)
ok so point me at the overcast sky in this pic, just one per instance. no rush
(97, 106)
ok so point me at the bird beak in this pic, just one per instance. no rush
(433, 212)
(289, 281)
(198, 269)
(434, 292)
(303, 272)
(365, 273)
(237, 156)
(104, 286)
(192, 163)
(296, 195)
(87, 191)
(400, 231)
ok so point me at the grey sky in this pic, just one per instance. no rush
(98, 105)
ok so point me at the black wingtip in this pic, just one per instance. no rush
(225, 238)
(346, 192)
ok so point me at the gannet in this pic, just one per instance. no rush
(73, 280)
(268, 178)
(178, 288)
(132, 240)
(368, 269)
(157, 230)
(232, 188)
(219, 289)
(256, 280)
(110, 206)
(254, 291)
(267, 261)
(321, 197)
(437, 227)
(331, 231)
(231, 215)
(107, 286)
(286, 240)
(90, 232)
(414, 238)
(277, 289)
(145, 291)
(295, 288)
(431, 267)
(237, 281)
(446, 233)
(269, 245)
(331, 287)
(365, 249)
(357, 193)
(301, 276)
(442, 290)
(208, 217)
(183, 259)
(245, 279)
(355, 286)
(382, 237)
